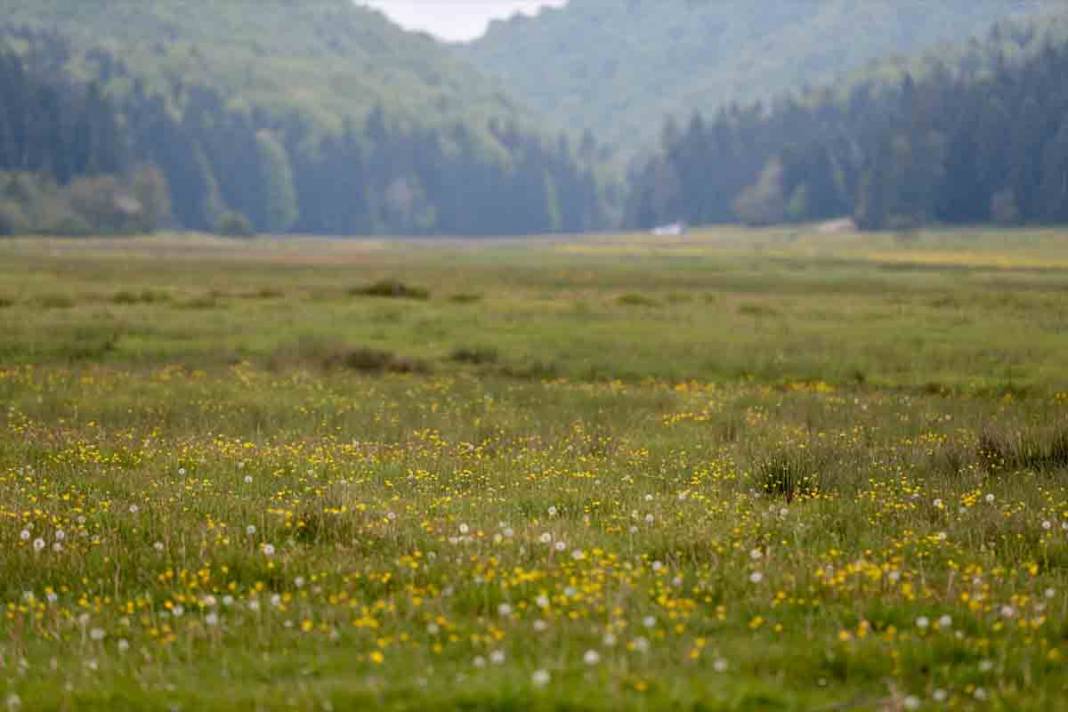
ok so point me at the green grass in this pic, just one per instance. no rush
(735, 471)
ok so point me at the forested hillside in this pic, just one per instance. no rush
(281, 117)
(619, 66)
(982, 139)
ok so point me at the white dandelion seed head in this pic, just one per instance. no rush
(25, 535)
(123, 645)
(464, 529)
(649, 519)
(649, 621)
(756, 577)
(939, 695)
(609, 640)
(592, 657)
(497, 657)
(553, 511)
(181, 472)
(540, 626)
(60, 535)
(212, 619)
(560, 545)
(504, 610)
(756, 554)
(268, 550)
(38, 544)
(911, 702)
(719, 665)
(158, 546)
(97, 634)
(989, 499)
(641, 644)
(134, 509)
(248, 479)
(923, 622)
(250, 529)
(546, 538)
(542, 601)
(479, 662)
(540, 678)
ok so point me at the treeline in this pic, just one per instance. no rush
(242, 170)
(971, 143)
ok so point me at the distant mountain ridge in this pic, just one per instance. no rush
(618, 67)
(330, 59)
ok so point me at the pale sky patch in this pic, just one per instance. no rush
(454, 20)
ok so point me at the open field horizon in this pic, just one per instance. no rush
(735, 470)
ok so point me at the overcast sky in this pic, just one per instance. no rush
(454, 19)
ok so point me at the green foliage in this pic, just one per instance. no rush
(233, 224)
(619, 67)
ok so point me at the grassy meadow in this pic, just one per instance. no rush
(739, 470)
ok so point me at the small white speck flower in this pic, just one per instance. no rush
(1050, 593)
(57, 547)
(1008, 611)
(1047, 525)
(299, 582)
(986, 665)
(592, 657)
(97, 634)
(497, 657)
(553, 511)
(938, 504)
(945, 622)
(609, 640)
(250, 529)
(123, 645)
(254, 604)
(923, 622)
(540, 626)
(542, 601)
(60, 535)
(989, 499)
(181, 472)
(276, 600)
(560, 545)
(209, 601)
(464, 529)
(719, 665)
(134, 509)
(641, 645)
(212, 619)
(912, 702)
(649, 518)
(546, 538)
(939, 695)
(504, 610)
(25, 535)
(540, 678)
(649, 622)
(980, 694)
(158, 546)
(508, 532)
(479, 662)
(756, 554)
(578, 554)
(433, 628)
(248, 479)
(268, 550)
(756, 577)
(648, 498)
(391, 516)
(14, 702)
(228, 600)
(178, 611)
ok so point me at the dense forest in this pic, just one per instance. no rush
(617, 67)
(216, 166)
(128, 117)
(968, 142)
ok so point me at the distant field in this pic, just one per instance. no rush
(735, 470)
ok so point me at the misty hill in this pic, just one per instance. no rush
(318, 117)
(970, 134)
(327, 58)
(619, 66)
